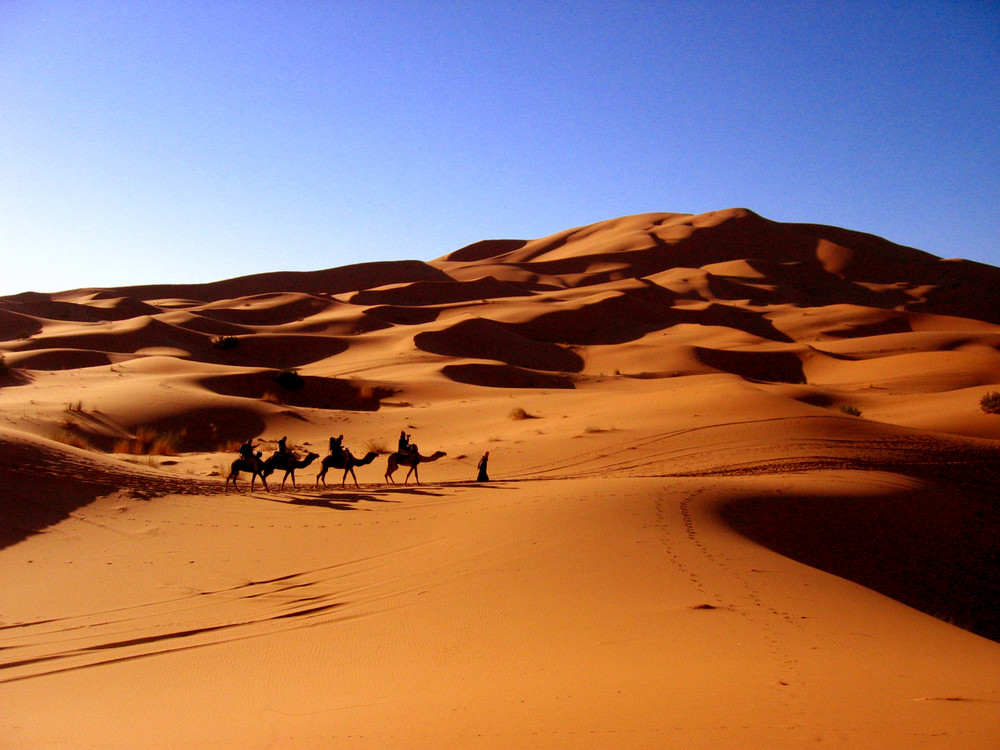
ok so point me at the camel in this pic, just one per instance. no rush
(254, 466)
(289, 463)
(345, 461)
(407, 459)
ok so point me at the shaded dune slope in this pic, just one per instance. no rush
(73, 478)
(934, 549)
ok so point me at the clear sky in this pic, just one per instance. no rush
(161, 141)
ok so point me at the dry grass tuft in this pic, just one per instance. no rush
(75, 439)
(990, 403)
(518, 413)
(148, 441)
(377, 446)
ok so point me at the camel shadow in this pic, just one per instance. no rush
(333, 500)
(329, 502)
(347, 499)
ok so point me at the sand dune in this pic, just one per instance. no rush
(743, 495)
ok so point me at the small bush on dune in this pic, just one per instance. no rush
(376, 446)
(232, 445)
(990, 403)
(225, 342)
(290, 380)
(75, 439)
(850, 410)
(148, 441)
(518, 413)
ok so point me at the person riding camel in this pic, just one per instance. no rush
(246, 450)
(336, 445)
(404, 443)
(282, 448)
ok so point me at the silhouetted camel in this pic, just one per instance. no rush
(406, 459)
(345, 461)
(289, 463)
(254, 466)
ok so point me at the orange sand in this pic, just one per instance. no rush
(686, 542)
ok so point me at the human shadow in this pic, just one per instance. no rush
(404, 490)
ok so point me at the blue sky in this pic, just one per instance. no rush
(187, 141)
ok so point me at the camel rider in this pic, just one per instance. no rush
(336, 445)
(282, 448)
(404, 442)
(246, 450)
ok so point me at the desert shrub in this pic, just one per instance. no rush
(73, 438)
(270, 397)
(990, 403)
(150, 442)
(851, 410)
(225, 342)
(518, 413)
(377, 446)
(229, 445)
(289, 379)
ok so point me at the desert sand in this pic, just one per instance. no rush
(742, 494)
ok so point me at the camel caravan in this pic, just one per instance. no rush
(251, 461)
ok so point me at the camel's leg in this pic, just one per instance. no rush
(321, 475)
(344, 480)
(389, 471)
(263, 481)
(413, 470)
(234, 472)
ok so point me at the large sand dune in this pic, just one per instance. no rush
(691, 538)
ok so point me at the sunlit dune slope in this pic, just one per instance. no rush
(846, 318)
(742, 488)
(644, 313)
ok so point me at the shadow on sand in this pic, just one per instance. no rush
(349, 499)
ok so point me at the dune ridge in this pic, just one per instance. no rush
(733, 462)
